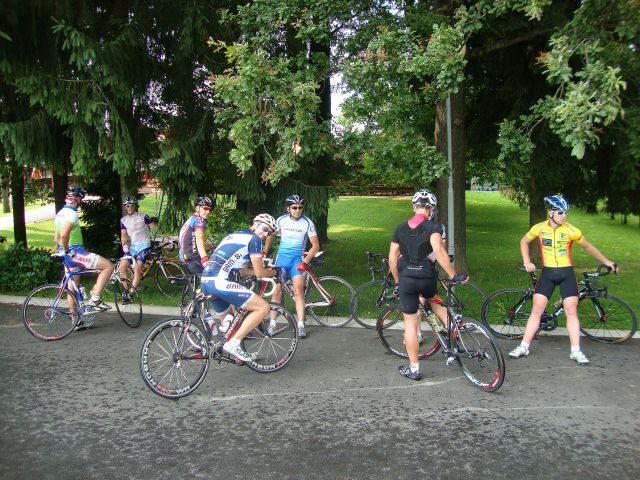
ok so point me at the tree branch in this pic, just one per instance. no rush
(505, 43)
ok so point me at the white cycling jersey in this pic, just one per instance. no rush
(137, 227)
(294, 234)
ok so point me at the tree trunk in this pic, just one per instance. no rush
(17, 197)
(4, 183)
(59, 188)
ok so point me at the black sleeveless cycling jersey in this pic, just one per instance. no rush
(414, 240)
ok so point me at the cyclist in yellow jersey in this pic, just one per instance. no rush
(556, 238)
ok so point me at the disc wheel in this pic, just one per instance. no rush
(330, 302)
(390, 330)
(174, 358)
(49, 312)
(128, 303)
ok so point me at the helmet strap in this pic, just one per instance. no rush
(552, 219)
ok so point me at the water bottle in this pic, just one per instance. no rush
(83, 292)
(211, 323)
(435, 323)
(226, 322)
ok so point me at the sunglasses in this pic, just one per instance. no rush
(296, 208)
(561, 213)
(206, 209)
(129, 205)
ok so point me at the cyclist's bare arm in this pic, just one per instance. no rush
(123, 236)
(258, 268)
(267, 244)
(394, 254)
(202, 249)
(524, 251)
(594, 252)
(441, 254)
(315, 248)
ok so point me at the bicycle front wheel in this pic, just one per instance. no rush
(467, 299)
(329, 301)
(478, 354)
(607, 319)
(161, 276)
(390, 330)
(174, 358)
(128, 303)
(505, 312)
(50, 312)
(273, 343)
(369, 301)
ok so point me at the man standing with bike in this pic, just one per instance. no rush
(233, 253)
(135, 240)
(193, 251)
(294, 229)
(68, 239)
(415, 274)
(556, 238)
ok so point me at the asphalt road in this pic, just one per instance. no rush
(78, 409)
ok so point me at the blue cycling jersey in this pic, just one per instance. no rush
(232, 253)
(294, 234)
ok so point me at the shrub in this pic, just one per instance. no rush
(22, 268)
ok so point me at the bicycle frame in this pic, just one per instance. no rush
(310, 278)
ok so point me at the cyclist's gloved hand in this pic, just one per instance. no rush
(204, 260)
(70, 254)
(264, 254)
(125, 248)
(302, 266)
(460, 277)
(396, 291)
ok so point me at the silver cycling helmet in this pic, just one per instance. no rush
(424, 198)
(267, 220)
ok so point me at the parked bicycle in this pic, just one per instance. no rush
(603, 317)
(327, 298)
(159, 268)
(177, 352)
(51, 312)
(376, 296)
(465, 341)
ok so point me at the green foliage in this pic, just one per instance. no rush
(225, 219)
(22, 269)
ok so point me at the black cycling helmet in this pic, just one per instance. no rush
(556, 203)
(130, 200)
(204, 202)
(424, 198)
(293, 200)
(76, 193)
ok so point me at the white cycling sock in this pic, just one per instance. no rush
(415, 367)
(575, 349)
(525, 344)
(95, 298)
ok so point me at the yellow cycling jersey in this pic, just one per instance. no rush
(555, 244)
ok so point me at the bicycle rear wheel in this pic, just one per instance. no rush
(161, 276)
(50, 313)
(392, 337)
(478, 354)
(369, 302)
(174, 358)
(505, 312)
(467, 299)
(128, 303)
(273, 351)
(607, 319)
(334, 311)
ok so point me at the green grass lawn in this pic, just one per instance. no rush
(494, 228)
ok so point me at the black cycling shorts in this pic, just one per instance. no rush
(411, 289)
(553, 276)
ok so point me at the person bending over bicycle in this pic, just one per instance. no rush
(556, 238)
(233, 253)
(415, 274)
(134, 236)
(68, 239)
(193, 251)
(294, 229)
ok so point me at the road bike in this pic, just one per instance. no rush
(51, 312)
(177, 352)
(327, 298)
(159, 268)
(377, 295)
(603, 317)
(464, 340)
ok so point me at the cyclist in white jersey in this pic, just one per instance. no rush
(233, 253)
(134, 236)
(295, 229)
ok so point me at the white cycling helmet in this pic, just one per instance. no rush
(424, 198)
(267, 220)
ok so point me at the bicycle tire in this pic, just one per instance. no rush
(467, 299)
(272, 352)
(392, 338)
(46, 317)
(173, 363)
(368, 302)
(478, 354)
(505, 312)
(338, 312)
(596, 320)
(130, 313)
(161, 276)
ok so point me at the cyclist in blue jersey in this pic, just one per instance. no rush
(193, 252)
(135, 240)
(232, 254)
(295, 229)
